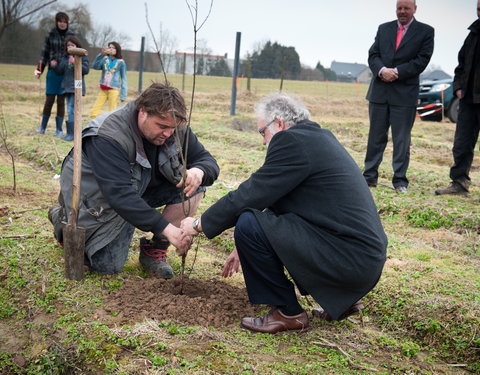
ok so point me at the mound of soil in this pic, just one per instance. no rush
(205, 303)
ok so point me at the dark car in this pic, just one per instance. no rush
(436, 100)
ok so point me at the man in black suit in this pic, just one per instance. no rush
(401, 51)
(466, 85)
(308, 210)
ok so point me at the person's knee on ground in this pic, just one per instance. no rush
(103, 263)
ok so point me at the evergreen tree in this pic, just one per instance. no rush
(219, 68)
(328, 74)
(273, 60)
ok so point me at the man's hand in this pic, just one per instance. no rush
(53, 63)
(71, 59)
(459, 93)
(187, 227)
(232, 264)
(192, 182)
(389, 75)
(178, 238)
(37, 73)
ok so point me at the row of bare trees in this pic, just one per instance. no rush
(31, 20)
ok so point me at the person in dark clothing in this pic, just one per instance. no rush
(466, 86)
(401, 51)
(133, 162)
(53, 51)
(66, 67)
(307, 210)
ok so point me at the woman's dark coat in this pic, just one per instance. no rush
(321, 218)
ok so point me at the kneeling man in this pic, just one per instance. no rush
(133, 163)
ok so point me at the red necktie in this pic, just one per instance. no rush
(399, 36)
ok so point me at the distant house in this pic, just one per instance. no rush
(434, 75)
(351, 72)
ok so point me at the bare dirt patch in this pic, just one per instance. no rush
(210, 303)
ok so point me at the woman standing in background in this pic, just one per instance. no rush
(53, 51)
(113, 82)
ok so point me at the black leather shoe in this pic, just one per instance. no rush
(321, 314)
(275, 321)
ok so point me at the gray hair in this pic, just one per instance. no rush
(286, 107)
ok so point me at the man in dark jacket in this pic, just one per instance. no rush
(466, 85)
(307, 209)
(401, 51)
(134, 161)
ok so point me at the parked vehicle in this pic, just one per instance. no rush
(436, 100)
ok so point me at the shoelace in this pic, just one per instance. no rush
(158, 255)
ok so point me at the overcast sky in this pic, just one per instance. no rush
(320, 30)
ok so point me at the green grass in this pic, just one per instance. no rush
(422, 316)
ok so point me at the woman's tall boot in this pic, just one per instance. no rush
(58, 122)
(43, 124)
(69, 136)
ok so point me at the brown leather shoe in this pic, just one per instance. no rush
(321, 314)
(275, 321)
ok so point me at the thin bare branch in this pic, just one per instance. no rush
(194, 15)
(4, 138)
(28, 13)
(206, 17)
(18, 236)
(29, 209)
(326, 344)
(156, 44)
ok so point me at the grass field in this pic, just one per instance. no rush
(422, 318)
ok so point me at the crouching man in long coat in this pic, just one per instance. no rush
(308, 210)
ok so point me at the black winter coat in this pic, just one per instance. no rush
(53, 48)
(321, 218)
(467, 73)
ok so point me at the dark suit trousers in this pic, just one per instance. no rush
(401, 119)
(466, 136)
(262, 269)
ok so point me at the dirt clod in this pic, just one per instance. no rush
(203, 302)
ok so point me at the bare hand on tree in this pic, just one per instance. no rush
(178, 238)
(192, 182)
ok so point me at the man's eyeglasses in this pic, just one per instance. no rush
(262, 129)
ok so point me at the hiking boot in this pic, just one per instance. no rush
(153, 257)
(454, 189)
